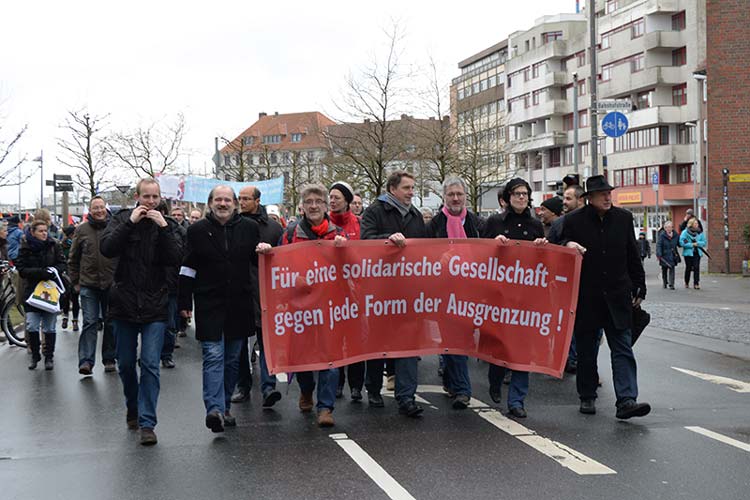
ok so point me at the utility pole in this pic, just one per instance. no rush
(576, 153)
(594, 148)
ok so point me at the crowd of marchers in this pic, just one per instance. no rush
(147, 272)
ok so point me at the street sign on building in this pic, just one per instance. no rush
(615, 124)
(606, 105)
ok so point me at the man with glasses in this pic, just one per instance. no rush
(514, 223)
(270, 232)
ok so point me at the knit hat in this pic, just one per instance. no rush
(554, 205)
(512, 185)
(69, 230)
(345, 189)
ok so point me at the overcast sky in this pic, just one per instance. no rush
(219, 62)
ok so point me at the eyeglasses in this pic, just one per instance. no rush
(520, 194)
(310, 203)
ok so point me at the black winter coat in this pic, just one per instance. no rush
(438, 226)
(139, 292)
(514, 226)
(32, 266)
(270, 232)
(225, 264)
(381, 220)
(612, 272)
(173, 272)
(666, 248)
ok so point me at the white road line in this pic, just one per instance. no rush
(370, 467)
(720, 437)
(732, 384)
(560, 453)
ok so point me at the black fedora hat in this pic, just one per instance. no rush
(596, 183)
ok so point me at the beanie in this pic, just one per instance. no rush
(554, 205)
(345, 189)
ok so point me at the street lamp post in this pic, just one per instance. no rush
(700, 76)
(40, 159)
(694, 175)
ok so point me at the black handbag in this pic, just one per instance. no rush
(641, 319)
(677, 258)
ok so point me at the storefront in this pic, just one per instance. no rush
(649, 213)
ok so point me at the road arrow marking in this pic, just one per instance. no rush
(734, 385)
(720, 437)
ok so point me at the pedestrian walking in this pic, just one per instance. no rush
(667, 254)
(612, 283)
(15, 234)
(174, 318)
(514, 223)
(454, 221)
(393, 217)
(644, 247)
(37, 256)
(91, 275)
(69, 299)
(550, 210)
(693, 241)
(217, 274)
(146, 244)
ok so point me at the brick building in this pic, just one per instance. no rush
(728, 71)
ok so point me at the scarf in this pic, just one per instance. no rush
(393, 201)
(455, 225)
(321, 229)
(35, 244)
(344, 219)
(693, 232)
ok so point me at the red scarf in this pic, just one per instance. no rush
(455, 224)
(321, 229)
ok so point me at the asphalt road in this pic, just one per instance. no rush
(64, 436)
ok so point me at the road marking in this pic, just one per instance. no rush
(732, 384)
(560, 453)
(720, 437)
(370, 467)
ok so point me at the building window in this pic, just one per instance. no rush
(492, 81)
(679, 56)
(607, 72)
(483, 85)
(637, 63)
(510, 80)
(581, 88)
(227, 160)
(551, 36)
(678, 21)
(581, 57)
(475, 88)
(605, 41)
(637, 28)
(685, 134)
(535, 97)
(271, 139)
(460, 94)
(645, 99)
(274, 158)
(679, 95)
(296, 137)
(564, 63)
(583, 118)
(248, 140)
(554, 157)
(642, 138)
(684, 173)
(526, 73)
(568, 122)
(526, 100)
(610, 6)
(535, 70)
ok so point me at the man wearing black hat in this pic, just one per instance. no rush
(549, 212)
(612, 283)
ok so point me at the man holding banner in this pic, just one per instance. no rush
(392, 217)
(454, 221)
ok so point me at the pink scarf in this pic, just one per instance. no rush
(455, 225)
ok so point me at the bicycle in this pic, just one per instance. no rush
(12, 313)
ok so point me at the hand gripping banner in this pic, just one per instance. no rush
(509, 304)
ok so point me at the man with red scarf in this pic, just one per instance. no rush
(453, 220)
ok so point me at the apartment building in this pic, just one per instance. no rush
(477, 99)
(647, 52)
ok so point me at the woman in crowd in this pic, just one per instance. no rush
(692, 240)
(666, 253)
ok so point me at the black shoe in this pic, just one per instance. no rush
(571, 367)
(375, 400)
(33, 363)
(496, 395)
(65, 323)
(630, 409)
(588, 407)
(148, 436)
(461, 402)
(410, 409)
(215, 421)
(167, 363)
(665, 286)
(131, 420)
(229, 420)
(49, 364)
(517, 411)
(271, 398)
(75, 329)
(356, 394)
(240, 395)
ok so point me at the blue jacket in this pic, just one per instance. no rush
(14, 241)
(666, 248)
(687, 240)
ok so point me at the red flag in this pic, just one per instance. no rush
(27, 217)
(71, 222)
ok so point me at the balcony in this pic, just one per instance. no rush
(665, 6)
(658, 115)
(556, 49)
(623, 81)
(539, 141)
(519, 114)
(659, 155)
(664, 40)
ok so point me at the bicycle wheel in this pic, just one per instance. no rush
(12, 322)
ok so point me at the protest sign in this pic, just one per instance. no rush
(510, 304)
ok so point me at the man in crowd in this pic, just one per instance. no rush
(174, 320)
(270, 232)
(15, 234)
(178, 214)
(549, 212)
(689, 215)
(218, 273)
(195, 215)
(612, 283)
(356, 205)
(146, 244)
(454, 221)
(393, 217)
(91, 274)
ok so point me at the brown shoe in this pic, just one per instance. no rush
(148, 436)
(85, 369)
(325, 418)
(306, 402)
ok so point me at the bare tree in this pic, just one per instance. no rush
(84, 149)
(237, 167)
(149, 150)
(7, 167)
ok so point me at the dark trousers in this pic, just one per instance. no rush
(692, 264)
(70, 298)
(245, 380)
(667, 275)
(374, 373)
(356, 372)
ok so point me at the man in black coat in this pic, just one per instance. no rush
(453, 220)
(217, 273)
(612, 283)
(270, 232)
(146, 245)
(392, 217)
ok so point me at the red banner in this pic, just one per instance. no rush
(325, 306)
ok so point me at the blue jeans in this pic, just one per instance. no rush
(519, 384)
(47, 321)
(406, 380)
(221, 363)
(93, 301)
(140, 395)
(624, 371)
(267, 381)
(328, 380)
(456, 374)
(170, 334)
